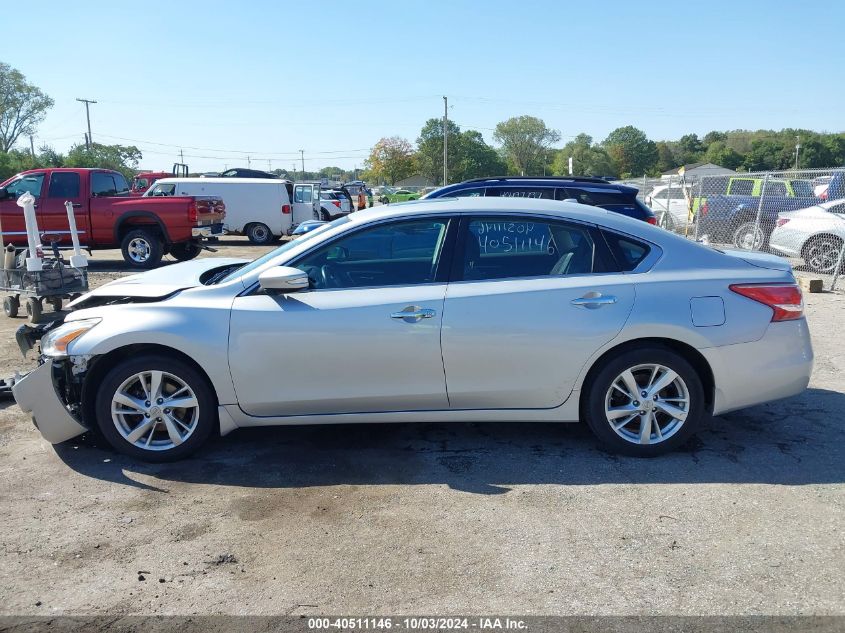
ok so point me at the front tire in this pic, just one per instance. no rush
(259, 233)
(142, 248)
(34, 309)
(645, 402)
(11, 304)
(155, 408)
(184, 251)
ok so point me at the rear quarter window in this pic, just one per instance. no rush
(627, 251)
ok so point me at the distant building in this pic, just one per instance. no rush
(694, 171)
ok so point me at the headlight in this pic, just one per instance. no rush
(55, 342)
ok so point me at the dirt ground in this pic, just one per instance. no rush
(433, 518)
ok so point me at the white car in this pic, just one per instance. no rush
(815, 234)
(670, 205)
(453, 310)
(333, 203)
(260, 208)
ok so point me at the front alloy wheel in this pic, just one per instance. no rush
(155, 408)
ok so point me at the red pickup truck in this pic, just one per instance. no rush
(106, 217)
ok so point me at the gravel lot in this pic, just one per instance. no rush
(432, 518)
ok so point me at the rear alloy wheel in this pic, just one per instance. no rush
(155, 408)
(749, 237)
(821, 253)
(259, 233)
(142, 248)
(645, 402)
(185, 251)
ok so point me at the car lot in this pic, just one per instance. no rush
(435, 518)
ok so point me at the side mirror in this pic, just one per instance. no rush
(4, 195)
(282, 279)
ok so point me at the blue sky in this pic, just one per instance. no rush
(266, 79)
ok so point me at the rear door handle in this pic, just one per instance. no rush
(77, 205)
(413, 314)
(593, 300)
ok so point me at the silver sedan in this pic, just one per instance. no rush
(475, 309)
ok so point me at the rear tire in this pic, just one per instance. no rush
(324, 216)
(259, 233)
(749, 237)
(55, 303)
(142, 248)
(117, 421)
(672, 413)
(821, 252)
(185, 251)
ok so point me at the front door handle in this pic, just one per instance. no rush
(593, 300)
(77, 205)
(413, 314)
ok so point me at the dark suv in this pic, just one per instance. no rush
(596, 192)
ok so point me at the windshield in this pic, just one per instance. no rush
(257, 263)
(802, 189)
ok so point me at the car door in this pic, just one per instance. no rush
(304, 203)
(63, 186)
(531, 299)
(365, 336)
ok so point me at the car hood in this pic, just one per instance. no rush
(156, 284)
(761, 260)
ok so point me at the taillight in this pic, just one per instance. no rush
(651, 219)
(703, 209)
(193, 213)
(336, 203)
(286, 209)
(782, 221)
(784, 299)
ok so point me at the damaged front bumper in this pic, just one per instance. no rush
(36, 393)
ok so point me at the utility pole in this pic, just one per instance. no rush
(294, 171)
(248, 162)
(445, 141)
(87, 103)
(32, 146)
(797, 150)
(302, 156)
(181, 156)
(269, 165)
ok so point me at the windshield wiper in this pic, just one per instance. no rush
(220, 274)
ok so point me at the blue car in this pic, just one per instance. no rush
(596, 192)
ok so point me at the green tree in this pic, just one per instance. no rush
(122, 158)
(430, 150)
(524, 142)
(631, 151)
(22, 106)
(588, 159)
(391, 159)
(720, 154)
(666, 160)
(690, 149)
(473, 158)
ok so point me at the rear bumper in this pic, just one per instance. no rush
(776, 366)
(35, 393)
(213, 230)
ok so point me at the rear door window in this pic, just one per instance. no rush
(63, 185)
(508, 247)
(104, 184)
(741, 187)
(776, 189)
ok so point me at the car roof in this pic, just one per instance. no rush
(223, 181)
(536, 181)
(476, 205)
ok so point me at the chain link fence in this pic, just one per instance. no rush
(797, 214)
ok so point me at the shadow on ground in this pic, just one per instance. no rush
(794, 442)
